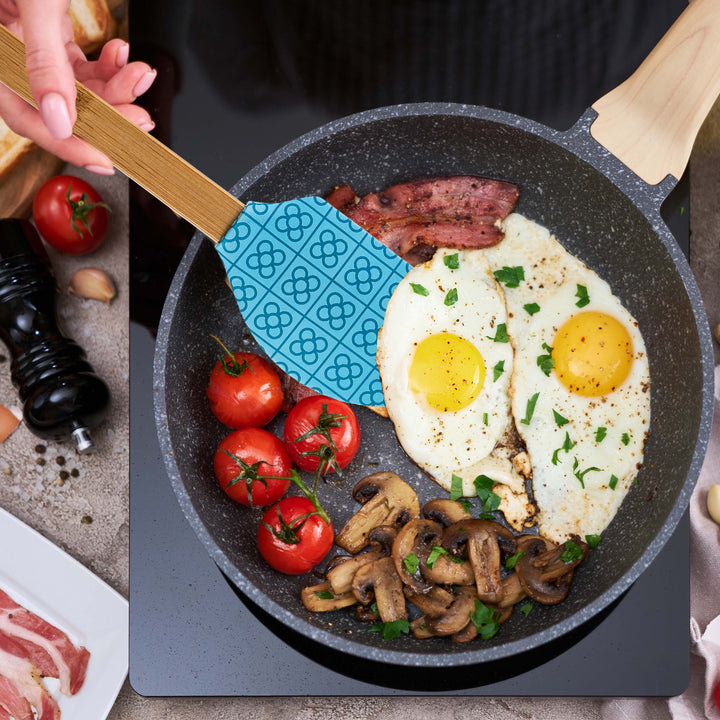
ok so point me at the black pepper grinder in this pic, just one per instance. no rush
(62, 396)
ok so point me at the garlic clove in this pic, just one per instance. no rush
(713, 503)
(94, 284)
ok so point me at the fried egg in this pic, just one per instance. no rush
(580, 383)
(445, 362)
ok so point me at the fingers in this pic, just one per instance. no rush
(126, 85)
(46, 31)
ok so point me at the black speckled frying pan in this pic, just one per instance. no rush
(600, 209)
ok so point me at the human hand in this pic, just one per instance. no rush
(54, 62)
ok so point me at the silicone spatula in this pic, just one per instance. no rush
(311, 285)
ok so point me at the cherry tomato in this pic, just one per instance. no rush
(244, 390)
(253, 467)
(321, 433)
(70, 215)
(293, 536)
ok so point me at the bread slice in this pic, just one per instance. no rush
(93, 23)
(13, 149)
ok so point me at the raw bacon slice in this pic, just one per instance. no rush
(415, 218)
(20, 686)
(46, 646)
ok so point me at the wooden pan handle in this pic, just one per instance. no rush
(650, 121)
(138, 155)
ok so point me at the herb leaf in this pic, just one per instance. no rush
(490, 500)
(530, 409)
(580, 474)
(571, 553)
(600, 434)
(498, 370)
(452, 297)
(613, 482)
(485, 620)
(411, 563)
(625, 438)
(593, 541)
(582, 295)
(559, 419)
(501, 335)
(526, 608)
(510, 276)
(452, 261)
(456, 487)
(419, 289)
(391, 630)
(485, 418)
(546, 363)
(531, 308)
(512, 561)
(324, 595)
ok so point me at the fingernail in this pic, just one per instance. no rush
(122, 56)
(55, 115)
(100, 169)
(147, 126)
(144, 83)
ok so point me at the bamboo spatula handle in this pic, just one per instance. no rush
(138, 155)
(651, 120)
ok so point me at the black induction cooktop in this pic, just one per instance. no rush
(236, 81)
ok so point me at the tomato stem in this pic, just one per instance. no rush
(230, 363)
(326, 422)
(311, 495)
(81, 209)
(288, 533)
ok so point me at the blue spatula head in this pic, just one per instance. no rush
(312, 287)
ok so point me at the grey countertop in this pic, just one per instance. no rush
(88, 514)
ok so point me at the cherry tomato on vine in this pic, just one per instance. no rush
(253, 467)
(244, 390)
(321, 434)
(70, 215)
(293, 536)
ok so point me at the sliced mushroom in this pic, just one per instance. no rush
(457, 615)
(381, 538)
(433, 603)
(512, 591)
(420, 629)
(341, 575)
(386, 500)
(445, 511)
(321, 598)
(417, 538)
(379, 581)
(542, 572)
(481, 541)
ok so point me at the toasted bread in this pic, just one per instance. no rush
(93, 24)
(13, 149)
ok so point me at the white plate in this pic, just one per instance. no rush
(46, 580)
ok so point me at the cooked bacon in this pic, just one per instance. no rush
(20, 686)
(415, 218)
(46, 646)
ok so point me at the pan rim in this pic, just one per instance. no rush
(486, 654)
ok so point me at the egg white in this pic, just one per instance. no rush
(571, 497)
(474, 440)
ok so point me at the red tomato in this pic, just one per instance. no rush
(70, 215)
(293, 537)
(321, 432)
(244, 390)
(253, 467)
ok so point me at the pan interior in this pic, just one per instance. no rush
(592, 218)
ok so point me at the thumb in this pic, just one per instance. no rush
(47, 28)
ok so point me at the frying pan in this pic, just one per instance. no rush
(599, 208)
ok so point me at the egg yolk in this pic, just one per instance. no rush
(448, 370)
(593, 353)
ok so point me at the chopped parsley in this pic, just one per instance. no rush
(572, 552)
(559, 419)
(582, 295)
(625, 438)
(530, 409)
(546, 362)
(452, 261)
(324, 595)
(419, 289)
(526, 608)
(485, 620)
(436, 552)
(452, 297)
(593, 541)
(485, 418)
(512, 561)
(600, 434)
(613, 482)
(531, 308)
(456, 487)
(580, 474)
(411, 563)
(501, 335)
(510, 276)
(567, 446)
(490, 500)
(498, 370)
(635, 482)
(391, 630)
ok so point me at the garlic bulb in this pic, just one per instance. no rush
(94, 284)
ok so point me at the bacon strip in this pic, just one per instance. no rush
(46, 646)
(413, 219)
(20, 686)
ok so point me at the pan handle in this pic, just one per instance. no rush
(650, 121)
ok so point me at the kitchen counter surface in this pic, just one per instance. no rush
(87, 512)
